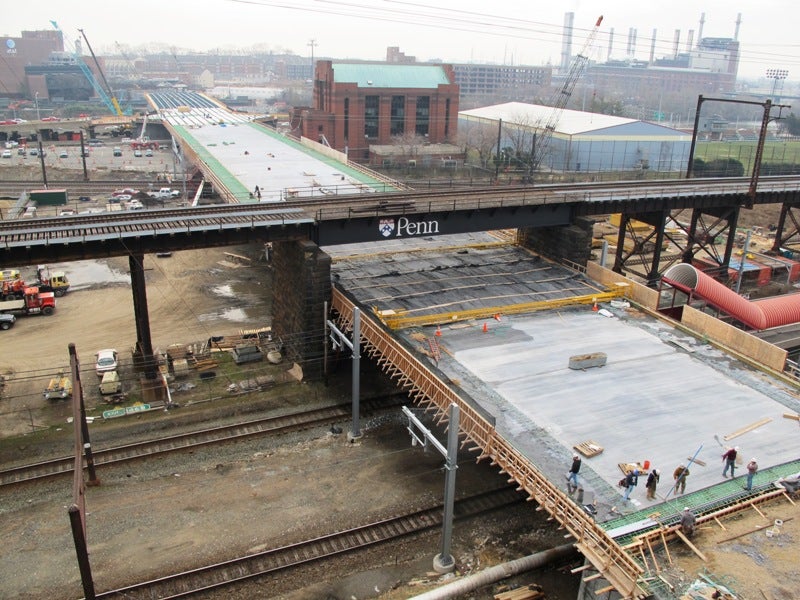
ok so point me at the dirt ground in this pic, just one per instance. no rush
(180, 512)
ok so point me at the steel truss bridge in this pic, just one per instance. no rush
(691, 214)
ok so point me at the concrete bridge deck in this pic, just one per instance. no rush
(664, 395)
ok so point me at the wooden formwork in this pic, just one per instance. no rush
(610, 560)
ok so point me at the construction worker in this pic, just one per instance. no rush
(688, 521)
(572, 476)
(652, 482)
(730, 461)
(679, 475)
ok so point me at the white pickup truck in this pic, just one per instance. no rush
(166, 194)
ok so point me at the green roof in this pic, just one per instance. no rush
(367, 75)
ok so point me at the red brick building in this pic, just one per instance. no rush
(359, 104)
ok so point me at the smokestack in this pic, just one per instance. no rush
(676, 42)
(689, 40)
(610, 43)
(738, 24)
(700, 31)
(634, 42)
(628, 50)
(566, 42)
(653, 47)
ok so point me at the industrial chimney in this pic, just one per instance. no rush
(690, 40)
(653, 47)
(676, 43)
(610, 43)
(566, 42)
(700, 31)
(738, 24)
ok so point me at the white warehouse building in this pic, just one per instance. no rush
(582, 141)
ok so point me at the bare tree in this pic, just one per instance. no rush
(480, 139)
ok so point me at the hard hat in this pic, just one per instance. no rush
(685, 508)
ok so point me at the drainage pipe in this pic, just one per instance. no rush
(494, 574)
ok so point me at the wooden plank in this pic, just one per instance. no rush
(791, 416)
(666, 548)
(239, 256)
(694, 548)
(604, 590)
(756, 529)
(583, 568)
(696, 461)
(720, 524)
(744, 430)
(669, 585)
(753, 506)
(653, 554)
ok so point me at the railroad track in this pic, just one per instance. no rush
(272, 562)
(270, 425)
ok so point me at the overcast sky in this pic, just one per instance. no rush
(527, 32)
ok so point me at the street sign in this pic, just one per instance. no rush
(117, 412)
(128, 410)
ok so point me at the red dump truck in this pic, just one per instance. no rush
(33, 302)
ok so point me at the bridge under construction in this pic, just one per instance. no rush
(543, 359)
(490, 328)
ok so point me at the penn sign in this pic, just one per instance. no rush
(405, 228)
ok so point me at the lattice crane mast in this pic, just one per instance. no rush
(560, 99)
(107, 99)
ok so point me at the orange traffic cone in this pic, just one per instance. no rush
(594, 306)
(439, 330)
(485, 328)
(497, 317)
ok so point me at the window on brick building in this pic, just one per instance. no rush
(371, 104)
(398, 115)
(423, 115)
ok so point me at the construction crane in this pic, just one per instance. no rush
(106, 95)
(562, 96)
(111, 96)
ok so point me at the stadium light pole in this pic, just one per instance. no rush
(776, 75)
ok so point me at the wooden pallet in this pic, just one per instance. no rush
(625, 467)
(589, 448)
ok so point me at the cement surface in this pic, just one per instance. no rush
(663, 396)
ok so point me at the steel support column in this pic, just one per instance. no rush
(647, 251)
(784, 237)
(144, 343)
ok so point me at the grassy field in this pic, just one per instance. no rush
(744, 152)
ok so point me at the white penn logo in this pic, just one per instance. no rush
(386, 227)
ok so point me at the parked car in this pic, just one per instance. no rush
(124, 192)
(137, 153)
(148, 152)
(135, 205)
(6, 154)
(96, 142)
(117, 151)
(106, 361)
(50, 119)
(121, 198)
(34, 152)
(7, 321)
(21, 151)
(63, 154)
(67, 212)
